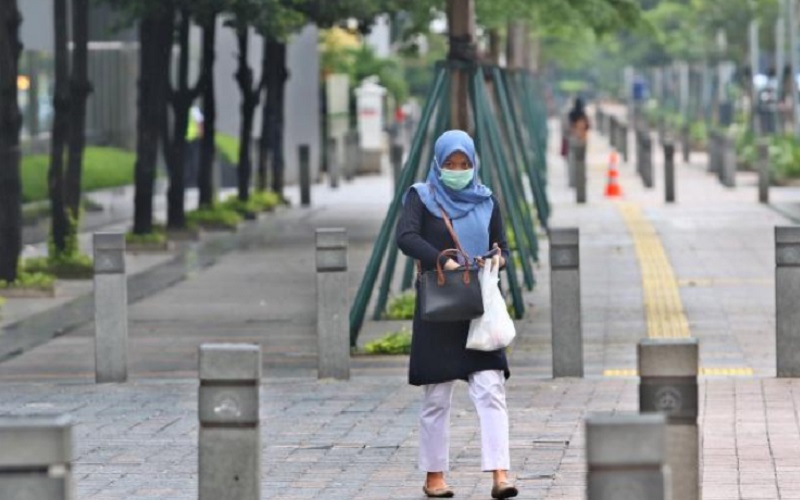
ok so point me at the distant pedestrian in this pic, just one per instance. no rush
(579, 121)
(439, 356)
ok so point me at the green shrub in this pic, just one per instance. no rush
(37, 281)
(402, 306)
(228, 147)
(259, 201)
(102, 168)
(217, 217)
(157, 237)
(392, 343)
(698, 132)
(267, 200)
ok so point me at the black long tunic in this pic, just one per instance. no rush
(438, 352)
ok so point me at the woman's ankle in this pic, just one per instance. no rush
(499, 476)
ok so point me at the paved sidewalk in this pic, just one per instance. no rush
(358, 439)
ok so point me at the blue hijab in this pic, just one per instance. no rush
(471, 208)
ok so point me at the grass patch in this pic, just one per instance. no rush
(29, 280)
(157, 237)
(260, 201)
(102, 168)
(401, 306)
(398, 342)
(214, 218)
(228, 147)
(75, 266)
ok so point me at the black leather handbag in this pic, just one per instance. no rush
(450, 295)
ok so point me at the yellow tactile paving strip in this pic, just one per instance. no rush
(662, 299)
(706, 372)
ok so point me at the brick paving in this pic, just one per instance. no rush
(358, 439)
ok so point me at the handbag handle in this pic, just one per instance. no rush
(440, 271)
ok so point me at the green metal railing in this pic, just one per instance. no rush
(508, 156)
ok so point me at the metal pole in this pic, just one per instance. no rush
(669, 172)
(763, 171)
(578, 154)
(110, 308)
(334, 164)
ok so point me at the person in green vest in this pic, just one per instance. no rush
(194, 133)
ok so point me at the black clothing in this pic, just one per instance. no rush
(438, 352)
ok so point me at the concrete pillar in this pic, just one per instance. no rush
(228, 410)
(728, 163)
(647, 160)
(625, 455)
(668, 371)
(334, 166)
(333, 318)
(110, 308)
(578, 155)
(36, 458)
(763, 170)
(396, 158)
(304, 157)
(565, 302)
(787, 295)
(669, 172)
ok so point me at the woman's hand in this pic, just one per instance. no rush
(498, 261)
(451, 265)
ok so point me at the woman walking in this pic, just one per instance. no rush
(438, 354)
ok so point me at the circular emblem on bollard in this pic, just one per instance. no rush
(669, 400)
(227, 406)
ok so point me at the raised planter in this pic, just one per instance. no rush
(28, 293)
(186, 234)
(164, 246)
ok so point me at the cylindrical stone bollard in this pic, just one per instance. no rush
(625, 455)
(686, 142)
(565, 302)
(787, 295)
(728, 170)
(396, 159)
(36, 458)
(110, 308)
(669, 172)
(639, 152)
(647, 160)
(600, 119)
(304, 158)
(763, 170)
(668, 371)
(334, 165)
(572, 171)
(333, 319)
(350, 154)
(228, 410)
(612, 131)
(578, 155)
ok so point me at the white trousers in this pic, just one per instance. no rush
(488, 392)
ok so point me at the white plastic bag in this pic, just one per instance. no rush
(495, 329)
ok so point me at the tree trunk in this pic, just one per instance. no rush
(155, 38)
(462, 32)
(58, 217)
(80, 88)
(205, 182)
(10, 123)
(250, 98)
(176, 152)
(263, 142)
(494, 46)
(272, 125)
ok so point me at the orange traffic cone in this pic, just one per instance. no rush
(612, 188)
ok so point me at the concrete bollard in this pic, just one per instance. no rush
(578, 155)
(647, 160)
(110, 308)
(727, 173)
(625, 455)
(787, 294)
(304, 157)
(668, 370)
(350, 154)
(396, 159)
(686, 142)
(333, 319)
(612, 131)
(669, 172)
(714, 156)
(334, 165)
(36, 458)
(623, 142)
(565, 302)
(600, 119)
(763, 170)
(228, 409)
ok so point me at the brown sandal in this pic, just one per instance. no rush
(504, 489)
(444, 492)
